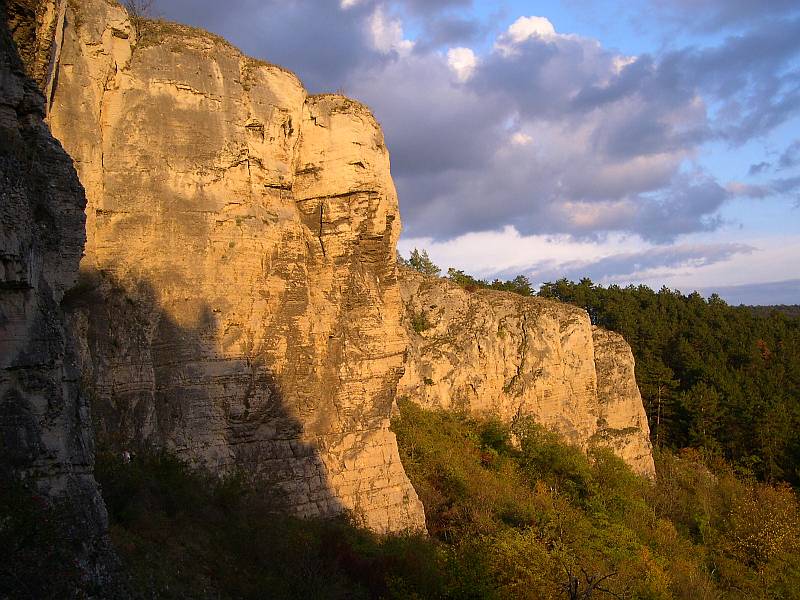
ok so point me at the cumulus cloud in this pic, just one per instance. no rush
(463, 62)
(386, 33)
(448, 30)
(522, 30)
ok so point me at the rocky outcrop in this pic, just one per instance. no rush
(621, 419)
(46, 436)
(238, 301)
(507, 355)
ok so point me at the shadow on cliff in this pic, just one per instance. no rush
(156, 384)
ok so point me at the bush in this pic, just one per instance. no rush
(38, 558)
(528, 520)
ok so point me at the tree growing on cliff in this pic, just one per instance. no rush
(138, 11)
(420, 261)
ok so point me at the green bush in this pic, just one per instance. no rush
(523, 520)
(515, 514)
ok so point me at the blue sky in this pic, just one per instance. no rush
(654, 142)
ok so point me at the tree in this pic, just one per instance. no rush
(138, 11)
(420, 261)
(464, 280)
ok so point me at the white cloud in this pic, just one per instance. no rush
(522, 30)
(521, 139)
(463, 63)
(620, 62)
(386, 33)
(345, 4)
(698, 262)
(488, 252)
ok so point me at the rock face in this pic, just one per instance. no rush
(507, 355)
(621, 419)
(238, 301)
(45, 432)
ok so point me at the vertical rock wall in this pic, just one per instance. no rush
(621, 419)
(45, 431)
(238, 299)
(503, 354)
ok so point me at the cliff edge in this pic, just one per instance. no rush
(499, 353)
(238, 300)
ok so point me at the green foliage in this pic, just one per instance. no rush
(519, 285)
(524, 515)
(513, 512)
(722, 379)
(419, 322)
(466, 281)
(182, 533)
(420, 261)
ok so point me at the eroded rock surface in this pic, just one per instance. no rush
(621, 419)
(238, 302)
(503, 354)
(45, 431)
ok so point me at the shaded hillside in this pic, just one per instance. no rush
(530, 522)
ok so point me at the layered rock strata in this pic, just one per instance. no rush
(503, 354)
(46, 436)
(238, 302)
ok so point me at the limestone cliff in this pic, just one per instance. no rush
(45, 431)
(238, 300)
(507, 355)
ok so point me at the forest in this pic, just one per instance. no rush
(722, 379)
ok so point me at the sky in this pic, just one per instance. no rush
(653, 142)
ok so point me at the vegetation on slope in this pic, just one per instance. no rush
(722, 379)
(511, 515)
(540, 519)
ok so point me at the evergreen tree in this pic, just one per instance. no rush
(420, 261)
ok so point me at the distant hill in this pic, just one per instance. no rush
(790, 310)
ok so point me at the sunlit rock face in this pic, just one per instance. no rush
(238, 301)
(46, 437)
(502, 354)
